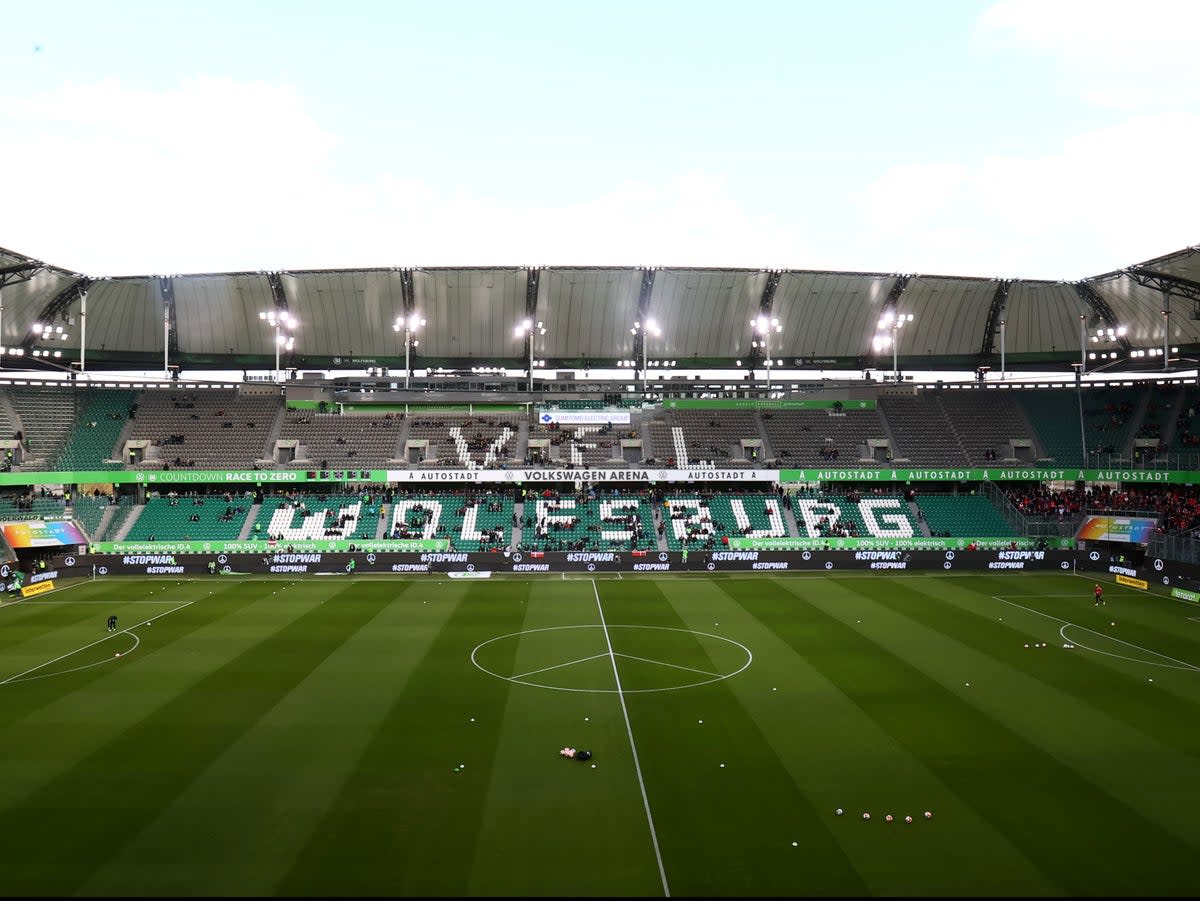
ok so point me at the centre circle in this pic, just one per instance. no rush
(598, 658)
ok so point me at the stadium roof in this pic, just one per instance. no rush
(829, 319)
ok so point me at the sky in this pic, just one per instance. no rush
(1018, 139)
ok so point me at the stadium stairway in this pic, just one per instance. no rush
(134, 514)
(919, 518)
(768, 449)
(381, 527)
(514, 540)
(9, 413)
(789, 519)
(248, 525)
(106, 518)
(397, 459)
(1171, 425)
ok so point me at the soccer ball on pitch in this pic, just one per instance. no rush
(866, 816)
(908, 819)
(888, 817)
(840, 811)
(928, 815)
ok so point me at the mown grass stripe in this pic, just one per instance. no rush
(322, 726)
(1008, 779)
(724, 830)
(115, 788)
(404, 823)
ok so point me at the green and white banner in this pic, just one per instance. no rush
(752, 404)
(901, 544)
(267, 477)
(391, 545)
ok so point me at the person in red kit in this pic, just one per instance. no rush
(1099, 593)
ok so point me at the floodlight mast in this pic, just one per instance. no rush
(647, 328)
(166, 343)
(277, 320)
(408, 324)
(527, 329)
(764, 326)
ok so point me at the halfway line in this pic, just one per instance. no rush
(632, 746)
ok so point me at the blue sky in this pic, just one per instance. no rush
(1010, 138)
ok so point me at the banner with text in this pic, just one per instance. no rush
(389, 545)
(583, 417)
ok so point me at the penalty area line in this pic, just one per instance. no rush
(92, 644)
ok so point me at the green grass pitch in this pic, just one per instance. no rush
(392, 737)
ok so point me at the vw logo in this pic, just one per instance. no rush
(140, 477)
(5, 571)
(70, 561)
(662, 557)
(591, 567)
(103, 570)
(1166, 580)
(370, 558)
(226, 569)
(517, 558)
(949, 555)
(807, 555)
(829, 564)
(470, 567)
(1158, 566)
(712, 566)
(947, 565)
(1065, 565)
(221, 558)
(1094, 556)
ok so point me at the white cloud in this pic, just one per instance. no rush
(1112, 53)
(1102, 200)
(216, 175)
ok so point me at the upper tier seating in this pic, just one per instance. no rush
(47, 415)
(350, 441)
(715, 436)
(580, 445)
(822, 437)
(984, 421)
(922, 431)
(91, 444)
(1107, 421)
(219, 429)
(458, 442)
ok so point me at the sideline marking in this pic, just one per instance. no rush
(92, 644)
(1067, 623)
(632, 745)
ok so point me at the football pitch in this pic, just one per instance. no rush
(401, 737)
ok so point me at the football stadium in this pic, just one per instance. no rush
(640, 581)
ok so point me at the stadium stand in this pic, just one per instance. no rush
(823, 437)
(587, 521)
(726, 438)
(203, 429)
(922, 430)
(91, 442)
(578, 445)
(46, 416)
(195, 518)
(336, 441)
(704, 520)
(850, 515)
(476, 522)
(963, 514)
(450, 440)
(312, 517)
